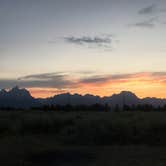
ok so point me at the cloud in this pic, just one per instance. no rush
(148, 10)
(148, 76)
(151, 9)
(150, 23)
(95, 79)
(99, 41)
(61, 81)
(121, 76)
(54, 80)
(36, 83)
(85, 39)
(45, 76)
(158, 74)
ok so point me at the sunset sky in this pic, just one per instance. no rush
(83, 46)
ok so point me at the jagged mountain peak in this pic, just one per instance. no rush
(16, 98)
(19, 92)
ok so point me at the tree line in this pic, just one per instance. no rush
(93, 108)
(101, 108)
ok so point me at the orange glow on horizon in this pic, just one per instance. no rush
(142, 86)
(44, 92)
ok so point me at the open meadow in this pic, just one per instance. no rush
(34, 138)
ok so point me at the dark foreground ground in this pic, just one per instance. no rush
(35, 138)
(29, 153)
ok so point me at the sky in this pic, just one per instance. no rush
(83, 46)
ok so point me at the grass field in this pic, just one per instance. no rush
(34, 138)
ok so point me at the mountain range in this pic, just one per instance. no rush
(21, 98)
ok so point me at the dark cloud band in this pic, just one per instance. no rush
(62, 81)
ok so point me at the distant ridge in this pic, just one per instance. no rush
(21, 98)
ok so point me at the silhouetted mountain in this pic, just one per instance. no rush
(75, 99)
(125, 97)
(17, 98)
(21, 98)
(154, 101)
(19, 93)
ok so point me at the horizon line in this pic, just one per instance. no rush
(75, 93)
